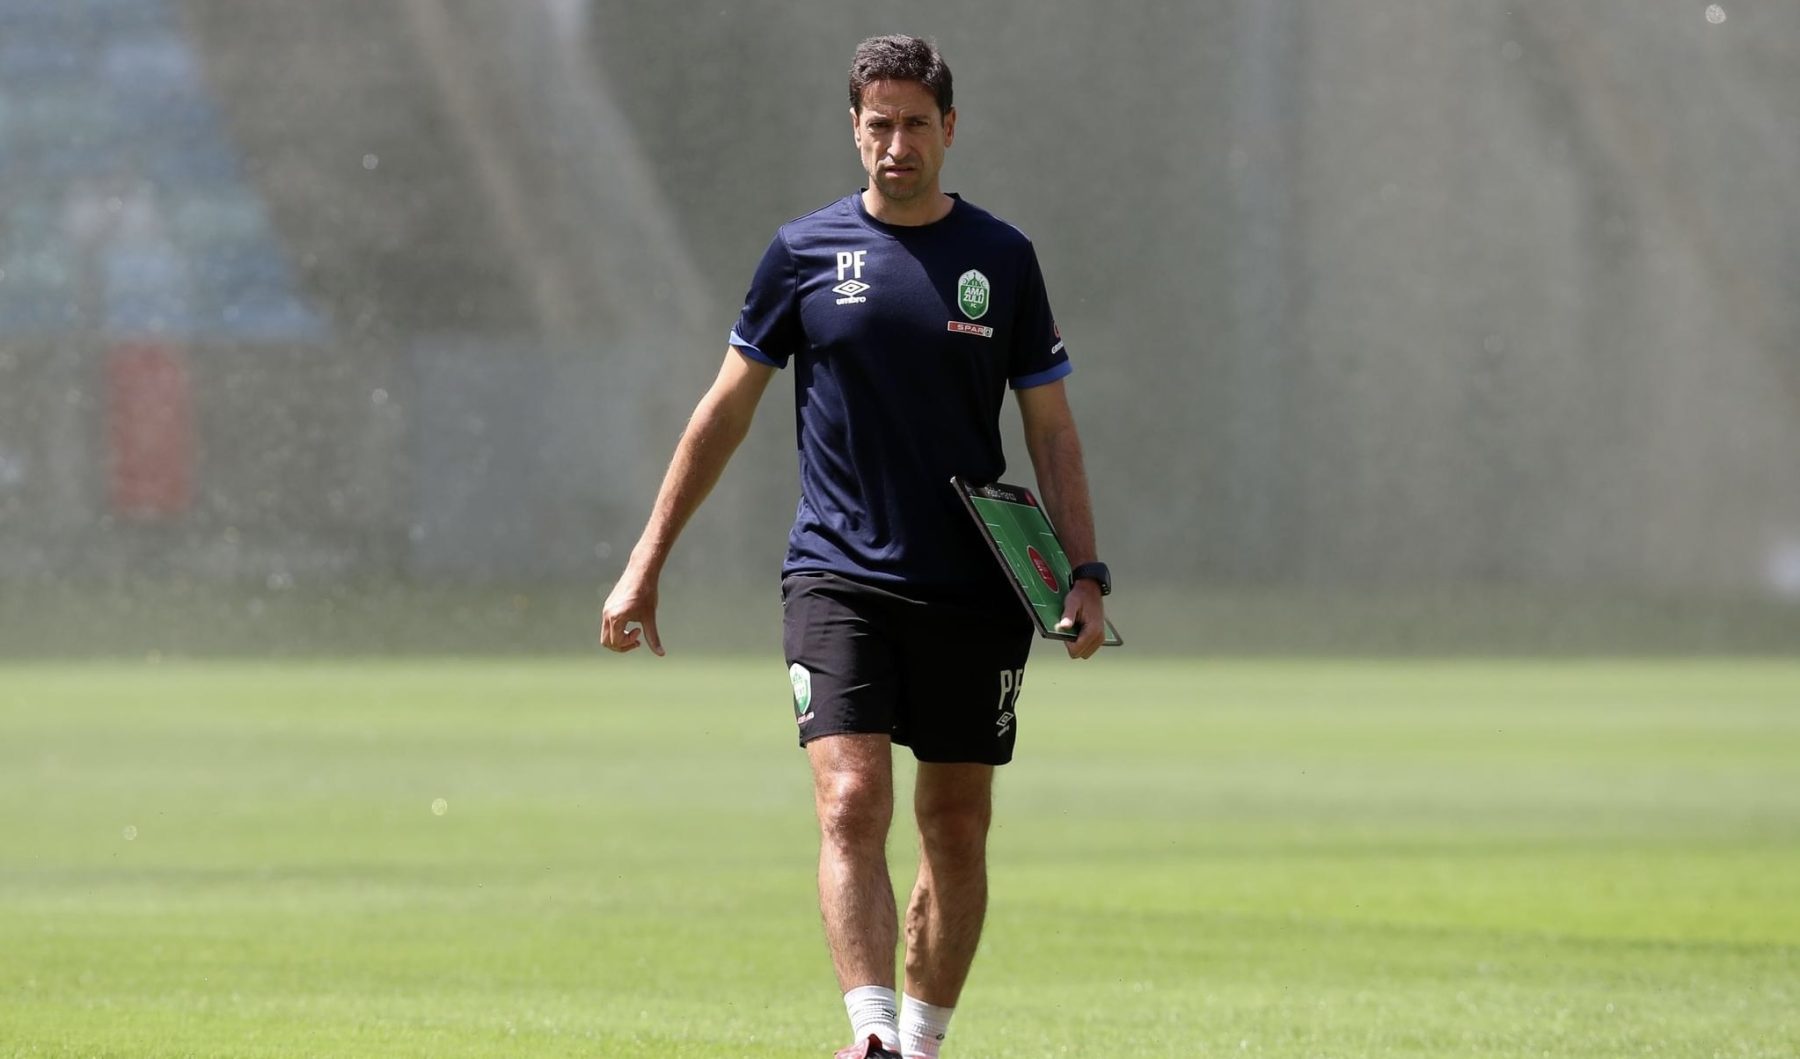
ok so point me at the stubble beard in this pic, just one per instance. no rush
(896, 191)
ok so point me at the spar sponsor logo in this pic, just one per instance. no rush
(962, 328)
(1043, 568)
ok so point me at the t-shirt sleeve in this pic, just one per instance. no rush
(1038, 355)
(768, 328)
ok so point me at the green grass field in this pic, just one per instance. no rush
(1273, 859)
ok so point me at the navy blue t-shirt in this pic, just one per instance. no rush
(904, 340)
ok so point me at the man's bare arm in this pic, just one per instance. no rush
(713, 433)
(1055, 450)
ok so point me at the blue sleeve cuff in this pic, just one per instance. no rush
(1050, 374)
(748, 350)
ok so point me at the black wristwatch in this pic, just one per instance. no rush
(1095, 572)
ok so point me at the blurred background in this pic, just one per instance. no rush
(1399, 326)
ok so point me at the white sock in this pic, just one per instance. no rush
(922, 1028)
(874, 1011)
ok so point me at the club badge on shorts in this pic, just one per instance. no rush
(801, 679)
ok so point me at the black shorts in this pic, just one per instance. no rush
(940, 678)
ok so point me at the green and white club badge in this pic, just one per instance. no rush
(801, 679)
(972, 294)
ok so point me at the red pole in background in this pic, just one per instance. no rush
(150, 431)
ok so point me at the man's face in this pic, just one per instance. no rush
(902, 137)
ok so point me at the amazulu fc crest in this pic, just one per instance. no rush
(801, 678)
(972, 294)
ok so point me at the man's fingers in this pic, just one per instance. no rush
(628, 617)
(1090, 640)
(625, 635)
(617, 634)
(1090, 634)
(1069, 624)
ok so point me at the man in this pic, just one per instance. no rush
(907, 313)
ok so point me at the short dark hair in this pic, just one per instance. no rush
(899, 58)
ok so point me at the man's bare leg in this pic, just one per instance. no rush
(953, 804)
(853, 793)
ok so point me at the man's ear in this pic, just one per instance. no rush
(949, 126)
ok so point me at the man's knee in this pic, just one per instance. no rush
(853, 789)
(855, 808)
(954, 829)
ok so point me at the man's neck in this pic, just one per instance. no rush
(925, 210)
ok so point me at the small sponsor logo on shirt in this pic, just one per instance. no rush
(971, 329)
(851, 289)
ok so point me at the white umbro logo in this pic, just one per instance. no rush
(850, 261)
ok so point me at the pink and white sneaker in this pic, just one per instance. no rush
(870, 1049)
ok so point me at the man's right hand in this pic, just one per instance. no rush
(632, 603)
